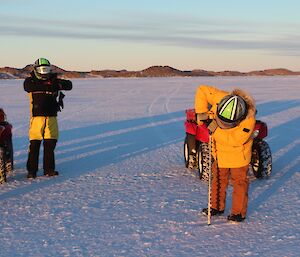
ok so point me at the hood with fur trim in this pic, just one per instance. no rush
(248, 99)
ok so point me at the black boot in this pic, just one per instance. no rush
(213, 212)
(235, 218)
(51, 173)
(31, 175)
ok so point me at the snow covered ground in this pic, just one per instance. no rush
(123, 189)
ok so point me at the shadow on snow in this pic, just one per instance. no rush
(86, 149)
(285, 146)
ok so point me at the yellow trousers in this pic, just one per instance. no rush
(43, 128)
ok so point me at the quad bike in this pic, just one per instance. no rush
(6, 147)
(261, 159)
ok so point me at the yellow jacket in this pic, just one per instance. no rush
(231, 147)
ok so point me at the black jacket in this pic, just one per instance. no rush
(43, 94)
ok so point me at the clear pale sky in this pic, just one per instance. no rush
(88, 35)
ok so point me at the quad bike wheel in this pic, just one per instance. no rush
(2, 166)
(186, 153)
(261, 160)
(203, 161)
(190, 163)
(9, 156)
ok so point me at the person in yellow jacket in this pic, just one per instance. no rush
(43, 87)
(231, 130)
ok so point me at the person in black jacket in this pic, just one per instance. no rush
(43, 88)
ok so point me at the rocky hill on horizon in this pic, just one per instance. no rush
(153, 71)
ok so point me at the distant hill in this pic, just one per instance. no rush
(272, 72)
(153, 71)
(14, 73)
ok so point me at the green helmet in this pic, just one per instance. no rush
(42, 68)
(232, 109)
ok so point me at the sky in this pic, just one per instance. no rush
(136, 34)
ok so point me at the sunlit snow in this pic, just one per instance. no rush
(123, 189)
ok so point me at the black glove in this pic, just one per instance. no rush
(60, 102)
(212, 126)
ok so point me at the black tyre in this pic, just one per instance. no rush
(261, 160)
(186, 152)
(203, 161)
(9, 156)
(2, 166)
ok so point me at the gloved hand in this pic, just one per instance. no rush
(201, 117)
(212, 126)
(60, 102)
